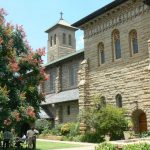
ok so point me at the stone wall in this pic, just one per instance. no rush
(62, 75)
(58, 50)
(62, 83)
(128, 76)
(60, 112)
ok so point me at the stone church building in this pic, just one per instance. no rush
(63, 63)
(115, 63)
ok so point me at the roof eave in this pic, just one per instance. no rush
(53, 27)
(68, 57)
(98, 12)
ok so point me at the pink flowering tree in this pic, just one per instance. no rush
(21, 73)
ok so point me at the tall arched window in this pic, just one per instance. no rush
(70, 40)
(51, 41)
(101, 53)
(116, 44)
(133, 42)
(64, 38)
(119, 100)
(55, 39)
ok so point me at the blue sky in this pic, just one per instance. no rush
(38, 15)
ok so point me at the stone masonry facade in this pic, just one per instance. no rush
(68, 111)
(128, 76)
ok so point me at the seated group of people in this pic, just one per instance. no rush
(9, 140)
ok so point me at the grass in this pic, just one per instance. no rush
(45, 145)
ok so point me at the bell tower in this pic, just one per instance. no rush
(61, 40)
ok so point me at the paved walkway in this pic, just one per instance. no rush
(85, 146)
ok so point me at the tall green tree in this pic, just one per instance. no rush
(21, 72)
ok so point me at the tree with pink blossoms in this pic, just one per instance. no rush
(21, 73)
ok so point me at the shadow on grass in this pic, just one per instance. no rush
(19, 149)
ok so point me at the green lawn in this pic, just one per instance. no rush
(45, 145)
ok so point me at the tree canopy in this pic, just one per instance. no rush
(21, 72)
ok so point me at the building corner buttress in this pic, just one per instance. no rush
(83, 91)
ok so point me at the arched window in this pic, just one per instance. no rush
(101, 53)
(70, 40)
(119, 100)
(116, 44)
(133, 42)
(103, 101)
(51, 41)
(55, 39)
(64, 38)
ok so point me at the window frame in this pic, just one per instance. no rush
(55, 39)
(52, 81)
(72, 76)
(64, 39)
(70, 39)
(117, 51)
(51, 41)
(131, 45)
(68, 110)
(119, 103)
(101, 60)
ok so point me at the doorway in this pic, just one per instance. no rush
(140, 121)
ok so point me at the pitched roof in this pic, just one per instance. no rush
(63, 23)
(44, 115)
(64, 96)
(65, 58)
(98, 12)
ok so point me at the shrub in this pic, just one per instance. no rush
(91, 138)
(42, 125)
(70, 129)
(65, 129)
(143, 146)
(105, 119)
(144, 134)
(56, 130)
(106, 146)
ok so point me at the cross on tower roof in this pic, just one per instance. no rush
(61, 15)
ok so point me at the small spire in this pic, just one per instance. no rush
(61, 15)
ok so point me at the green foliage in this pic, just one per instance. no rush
(21, 72)
(141, 146)
(56, 130)
(42, 125)
(105, 119)
(65, 129)
(144, 134)
(106, 146)
(70, 129)
(91, 138)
